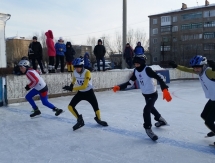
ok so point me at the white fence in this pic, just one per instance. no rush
(101, 81)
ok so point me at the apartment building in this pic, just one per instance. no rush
(180, 34)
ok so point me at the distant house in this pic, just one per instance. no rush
(16, 48)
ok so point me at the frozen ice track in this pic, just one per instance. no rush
(140, 135)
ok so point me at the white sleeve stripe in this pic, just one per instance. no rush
(131, 82)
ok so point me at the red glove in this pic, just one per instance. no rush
(166, 95)
(116, 88)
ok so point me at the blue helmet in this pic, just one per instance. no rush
(78, 62)
(198, 61)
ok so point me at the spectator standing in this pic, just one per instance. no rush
(99, 52)
(128, 55)
(139, 50)
(35, 52)
(51, 50)
(60, 48)
(87, 61)
(70, 52)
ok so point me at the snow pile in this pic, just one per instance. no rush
(156, 67)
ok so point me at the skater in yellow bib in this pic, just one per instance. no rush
(82, 77)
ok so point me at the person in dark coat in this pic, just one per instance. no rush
(128, 55)
(87, 61)
(35, 53)
(70, 53)
(99, 52)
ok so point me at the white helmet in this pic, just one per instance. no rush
(24, 63)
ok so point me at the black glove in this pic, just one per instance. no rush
(27, 88)
(68, 88)
(173, 64)
(211, 64)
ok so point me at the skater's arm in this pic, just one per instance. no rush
(185, 69)
(129, 83)
(33, 79)
(154, 75)
(85, 84)
(210, 74)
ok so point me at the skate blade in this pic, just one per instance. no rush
(37, 116)
(77, 127)
(154, 138)
(209, 136)
(163, 125)
(60, 113)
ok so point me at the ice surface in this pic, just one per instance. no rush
(50, 139)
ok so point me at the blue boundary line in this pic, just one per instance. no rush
(133, 134)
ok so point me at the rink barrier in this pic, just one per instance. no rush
(1, 91)
(15, 85)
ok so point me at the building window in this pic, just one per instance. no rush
(166, 28)
(155, 49)
(155, 59)
(185, 26)
(197, 36)
(196, 25)
(184, 37)
(209, 46)
(209, 13)
(174, 39)
(191, 26)
(165, 20)
(174, 19)
(191, 16)
(209, 35)
(165, 48)
(155, 31)
(209, 24)
(174, 49)
(155, 40)
(154, 21)
(165, 39)
(174, 28)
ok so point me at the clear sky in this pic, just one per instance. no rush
(79, 19)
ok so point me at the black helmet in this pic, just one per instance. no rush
(140, 60)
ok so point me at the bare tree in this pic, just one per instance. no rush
(118, 41)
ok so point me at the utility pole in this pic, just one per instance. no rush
(124, 33)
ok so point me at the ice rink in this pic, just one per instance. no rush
(51, 139)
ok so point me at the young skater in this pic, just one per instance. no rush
(70, 53)
(206, 78)
(85, 92)
(36, 86)
(144, 75)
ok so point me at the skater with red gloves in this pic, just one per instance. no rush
(206, 78)
(37, 86)
(85, 92)
(145, 75)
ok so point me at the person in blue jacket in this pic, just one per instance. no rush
(139, 50)
(87, 61)
(60, 48)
